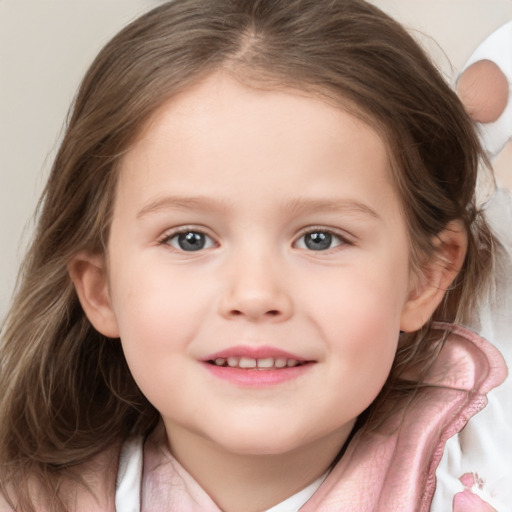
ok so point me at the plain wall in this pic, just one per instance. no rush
(46, 46)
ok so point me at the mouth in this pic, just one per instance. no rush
(249, 363)
(256, 365)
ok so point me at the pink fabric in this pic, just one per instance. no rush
(166, 486)
(466, 500)
(389, 469)
(394, 468)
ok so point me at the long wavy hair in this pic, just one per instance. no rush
(66, 393)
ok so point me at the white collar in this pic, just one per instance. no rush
(295, 502)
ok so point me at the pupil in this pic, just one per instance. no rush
(318, 241)
(191, 241)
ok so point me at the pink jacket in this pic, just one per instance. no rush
(390, 469)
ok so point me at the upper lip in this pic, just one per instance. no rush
(260, 352)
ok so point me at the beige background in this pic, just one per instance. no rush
(46, 45)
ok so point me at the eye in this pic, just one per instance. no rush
(189, 241)
(319, 240)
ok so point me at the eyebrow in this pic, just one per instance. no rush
(182, 203)
(294, 207)
(301, 206)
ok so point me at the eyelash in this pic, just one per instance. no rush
(185, 230)
(331, 236)
(343, 240)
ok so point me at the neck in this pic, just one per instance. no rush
(251, 483)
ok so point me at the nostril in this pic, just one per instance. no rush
(246, 303)
(271, 313)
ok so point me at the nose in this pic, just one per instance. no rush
(256, 290)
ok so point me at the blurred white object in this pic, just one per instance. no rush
(483, 449)
(498, 49)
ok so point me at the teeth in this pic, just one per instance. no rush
(267, 363)
(233, 362)
(247, 362)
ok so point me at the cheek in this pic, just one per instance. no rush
(365, 343)
(359, 303)
(152, 303)
(157, 320)
(360, 321)
(155, 338)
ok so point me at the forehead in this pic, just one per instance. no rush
(232, 99)
(222, 136)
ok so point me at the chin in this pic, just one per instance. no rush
(260, 442)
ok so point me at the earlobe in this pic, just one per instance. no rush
(437, 275)
(89, 275)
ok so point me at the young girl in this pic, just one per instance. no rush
(255, 239)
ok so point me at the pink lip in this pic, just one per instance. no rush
(252, 377)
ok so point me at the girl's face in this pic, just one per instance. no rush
(258, 268)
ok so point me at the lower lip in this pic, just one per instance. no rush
(256, 378)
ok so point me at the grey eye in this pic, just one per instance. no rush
(318, 241)
(190, 241)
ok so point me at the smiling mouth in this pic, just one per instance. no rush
(249, 363)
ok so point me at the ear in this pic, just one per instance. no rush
(89, 275)
(429, 286)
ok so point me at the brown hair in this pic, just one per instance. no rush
(65, 390)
